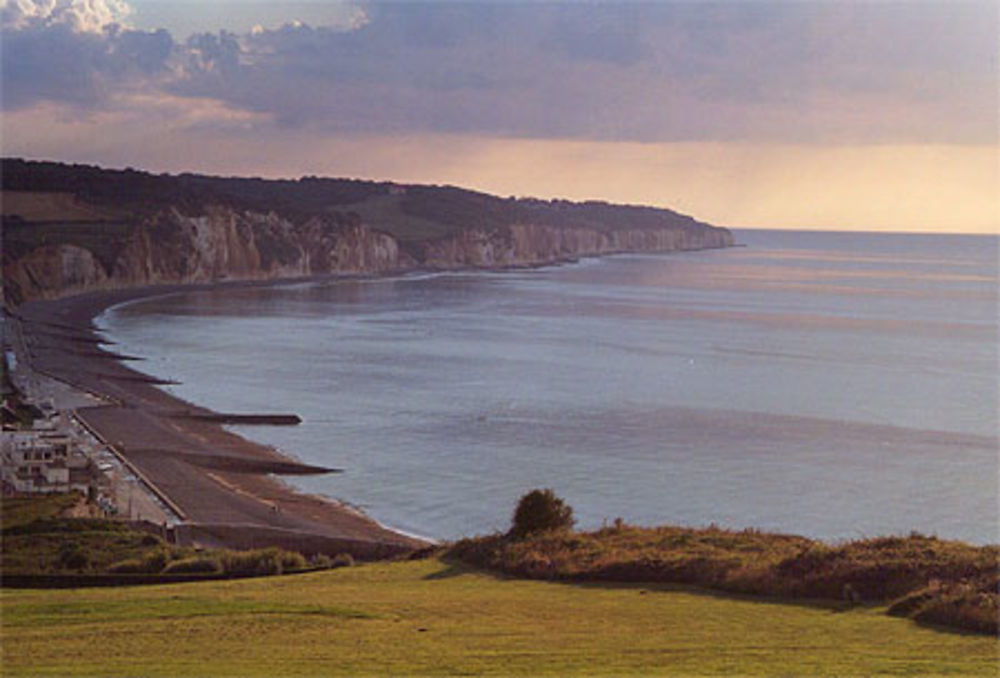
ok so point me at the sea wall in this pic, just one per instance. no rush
(226, 244)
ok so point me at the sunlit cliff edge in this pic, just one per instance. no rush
(70, 229)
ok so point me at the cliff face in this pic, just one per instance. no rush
(223, 243)
(53, 271)
(532, 244)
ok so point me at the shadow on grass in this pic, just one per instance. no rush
(452, 568)
(941, 628)
(455, 568)
(646, 588)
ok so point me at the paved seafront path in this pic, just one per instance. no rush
(221, 486)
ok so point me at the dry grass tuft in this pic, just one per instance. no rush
(932, 580)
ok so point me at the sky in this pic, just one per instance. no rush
(820, 115)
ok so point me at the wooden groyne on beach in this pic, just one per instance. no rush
(245, 419)
(183, 454)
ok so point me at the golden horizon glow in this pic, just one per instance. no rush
(901, 188)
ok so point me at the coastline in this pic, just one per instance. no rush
(220, 485)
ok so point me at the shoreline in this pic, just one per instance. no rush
(228, 489)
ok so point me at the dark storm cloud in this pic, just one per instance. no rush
(628, 71)
(613, 35)
(851, 72)
(46, 60)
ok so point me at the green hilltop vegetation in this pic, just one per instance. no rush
(433, 617)
(40, 540)
(927, 579)
(622, 600)
(930, 580)
(90, 206)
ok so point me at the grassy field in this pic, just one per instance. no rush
(429, 617)
(385, 214)
(931, 580)
(53, 206)
(20, 511)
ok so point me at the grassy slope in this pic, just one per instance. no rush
(20, 511)
(37, 537)
(53, 206)
(931, 580)
(54, 192)
(429, 617)
(384, 213)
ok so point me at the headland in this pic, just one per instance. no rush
(79, 239)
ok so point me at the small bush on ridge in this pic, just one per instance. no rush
(320, 561)
(924, 578)
(260, 562)
(292, 561)
(342, 560)
(263, 561)
(539, 511)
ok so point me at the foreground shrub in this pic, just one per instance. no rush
(262, 562)
(940, 582)
(155, 561)
(194, 565)
(151, 540)
(130, 566)
(292, 561)
(320, 561)
(973, 606)
(152, 562)
(74, 557)
(539, 511)
(342, 560)
(973, 612)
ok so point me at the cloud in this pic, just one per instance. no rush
(610, 34)
(56, 63)
(645, 72)
(75, 52)
(186, 18)
(836, 73)
(79, 16)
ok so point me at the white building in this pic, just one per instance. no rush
(43, 460)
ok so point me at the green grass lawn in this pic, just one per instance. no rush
(20, 511)
(429, 617)
(385, 214)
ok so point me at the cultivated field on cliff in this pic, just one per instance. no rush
(429, 617)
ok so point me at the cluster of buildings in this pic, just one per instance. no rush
(44, 458)
(45, 448)
(45, 451)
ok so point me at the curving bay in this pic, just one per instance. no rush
(833, 385)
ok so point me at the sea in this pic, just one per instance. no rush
(830, 384)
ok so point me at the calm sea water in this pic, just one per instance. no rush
(832, 385)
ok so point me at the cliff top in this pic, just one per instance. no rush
(88, 194)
